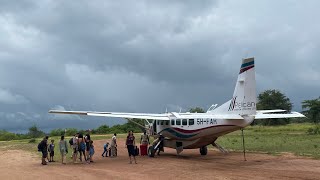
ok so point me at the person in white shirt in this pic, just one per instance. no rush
(113, 145)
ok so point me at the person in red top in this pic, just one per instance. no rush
(130, 143)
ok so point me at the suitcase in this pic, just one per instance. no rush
(109, 151)
(144, 150)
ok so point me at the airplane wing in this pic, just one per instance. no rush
(116, 114)
(164, 116)
(276, 115)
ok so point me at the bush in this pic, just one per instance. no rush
(7, 136)
(71, 131)
(313, 131)
(57, 132)
(33, 140)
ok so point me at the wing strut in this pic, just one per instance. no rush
(136, 123)
(244, 148)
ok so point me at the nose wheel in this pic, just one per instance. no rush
(204, 150)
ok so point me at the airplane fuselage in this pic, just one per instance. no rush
(198, 132)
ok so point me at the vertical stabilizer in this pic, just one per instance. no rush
(244, 97)
(243, 101)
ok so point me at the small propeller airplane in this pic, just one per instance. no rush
(198, 130)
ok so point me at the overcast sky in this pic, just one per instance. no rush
(146, 56)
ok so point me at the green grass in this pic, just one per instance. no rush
(292, 138)
(275, 140)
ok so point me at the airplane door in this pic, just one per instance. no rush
(155, 126)
(178, 122)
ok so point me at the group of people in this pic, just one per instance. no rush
(79, 144)
(83, 146)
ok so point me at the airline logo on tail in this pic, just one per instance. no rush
(232, 103)
(238, 106)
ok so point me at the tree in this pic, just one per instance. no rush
(34, 132)
(131, 126)
(273, 99)
(312, 109)
(57, 132)
(104, 129)
(196, 110)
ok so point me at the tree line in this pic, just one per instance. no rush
(269, 99)
(35, 132)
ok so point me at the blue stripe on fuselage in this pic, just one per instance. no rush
(177, 134)
(247, 64)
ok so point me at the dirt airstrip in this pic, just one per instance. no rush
(18, 164)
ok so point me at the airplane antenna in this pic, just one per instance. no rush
(244, 148)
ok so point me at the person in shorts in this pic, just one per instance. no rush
(87, 140)
(91, 152)
(82, 147)
(130, 143)
(51, 151)
(63, 149)
(42, 147)
(75, 147)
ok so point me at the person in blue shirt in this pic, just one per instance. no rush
(105, 149)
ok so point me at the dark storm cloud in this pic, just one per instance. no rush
(148, 55)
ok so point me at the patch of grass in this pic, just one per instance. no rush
(273, 140)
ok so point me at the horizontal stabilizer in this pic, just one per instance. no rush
(270, 111)
(275, 116)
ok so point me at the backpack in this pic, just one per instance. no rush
(71, 141)
(40, 146)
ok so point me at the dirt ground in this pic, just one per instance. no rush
(18, 164)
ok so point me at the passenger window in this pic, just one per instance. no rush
(191, 122)
(158, 122)
(178, 122)
(184, 122)
(167, 123)
(162, 122)
(172, 122)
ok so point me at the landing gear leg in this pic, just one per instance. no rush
(204, 150)
(151, 151)
(221, 149)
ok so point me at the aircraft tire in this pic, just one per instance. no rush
(151, 151)
(204, 150)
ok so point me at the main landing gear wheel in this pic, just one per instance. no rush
(204, 150)
(151, 151)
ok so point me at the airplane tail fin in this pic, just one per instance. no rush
(244, 98)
